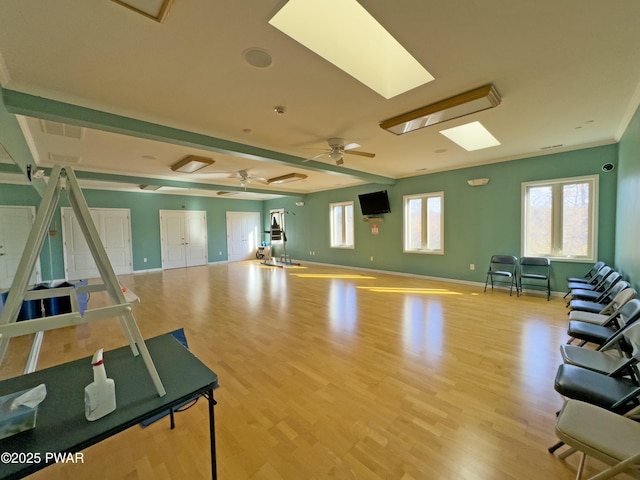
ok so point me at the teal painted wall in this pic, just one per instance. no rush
(145, 222)
(479, 221)
(627, 258)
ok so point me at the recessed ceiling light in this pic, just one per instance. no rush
(149, 157)
(471, 136)
(257, 57)
(374, 57)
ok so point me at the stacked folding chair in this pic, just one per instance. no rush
(600, 378)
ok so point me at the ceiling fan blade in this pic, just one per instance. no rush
(360, 153)
(315, 157)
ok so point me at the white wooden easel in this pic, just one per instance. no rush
(64, 179)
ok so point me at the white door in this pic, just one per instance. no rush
(195, 235)
(15, 226)
(114, 229)
(183, 238)
(243, 235)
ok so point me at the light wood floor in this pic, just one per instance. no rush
(337, 373)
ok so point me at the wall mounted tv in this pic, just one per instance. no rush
(375, 203)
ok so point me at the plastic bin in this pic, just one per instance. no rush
(17, 420)
(56, 305)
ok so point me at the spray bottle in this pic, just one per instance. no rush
(99, 396)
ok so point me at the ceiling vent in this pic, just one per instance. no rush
(62, 129)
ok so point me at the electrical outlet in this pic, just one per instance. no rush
(372, 258)
(219, 253)
(472, 266)
(145, 259)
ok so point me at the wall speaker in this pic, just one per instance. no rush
(607, 167)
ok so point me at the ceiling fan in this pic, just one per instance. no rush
(337, 150)
(243, 175)
(245, 178)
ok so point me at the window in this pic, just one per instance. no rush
(559, 218)
(342, 225)
(424, 223)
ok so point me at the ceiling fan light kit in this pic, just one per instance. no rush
(473, 101)
(191, 163)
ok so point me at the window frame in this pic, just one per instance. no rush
(332, 206)
(425, 223)
(556, 213)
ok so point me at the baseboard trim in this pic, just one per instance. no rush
(430, 277)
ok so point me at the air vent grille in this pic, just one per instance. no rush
(62, 129)
(60, 159)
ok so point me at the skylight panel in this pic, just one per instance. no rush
(345, 34)
(471, 136)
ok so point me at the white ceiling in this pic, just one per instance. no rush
(568, 73)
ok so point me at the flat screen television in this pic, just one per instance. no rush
(375, 203)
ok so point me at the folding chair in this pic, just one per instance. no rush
(612, 358)
(591, 278)
(597, 305)
(595, 282)
(595, 294)
(601, 434)
(589, 275)
(608, 312)
(504, 267)
(535, 272)
(616, 392)
(601, 334)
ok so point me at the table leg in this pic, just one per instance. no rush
(212, 434)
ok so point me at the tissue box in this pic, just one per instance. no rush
(18, 420)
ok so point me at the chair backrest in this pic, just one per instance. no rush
(626, 317)
(629, 313)
(632, 335)
(504, 259)
(600, 277)
(623, 296)
(611, 288)
(535, 261)
(610, 281)
(595, 269)
(506, 263)
(621, 293)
